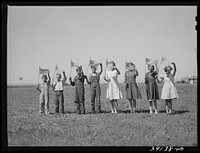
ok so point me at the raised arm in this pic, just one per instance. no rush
(117, 70)
(38, 88)
(174, 69)
(125, 78)
(86, 78)
(71, 82)
(101, 69)
(156, 67)
(136, 72)
(64, 77)
(48, 78)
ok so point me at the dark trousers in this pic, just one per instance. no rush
(95, 93)
(59, 102)
(79, 99)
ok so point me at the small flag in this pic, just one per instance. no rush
(165, 61)
(73, 64)
(43, 71)
(93, 63)
(56, 68)
(20, 78)
(149, 61)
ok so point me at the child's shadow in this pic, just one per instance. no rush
(174, 112)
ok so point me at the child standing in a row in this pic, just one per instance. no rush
(43, 88)
(58, 87)
(132, 90)
(95, 90)
(113, 91)
(79, 98)
(151, 86)
(169, 91)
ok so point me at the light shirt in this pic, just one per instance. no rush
(44, 88)
(58, 86)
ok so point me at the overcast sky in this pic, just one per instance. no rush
(46, 36)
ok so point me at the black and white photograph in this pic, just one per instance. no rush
(100, 76)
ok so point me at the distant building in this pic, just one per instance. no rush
(193, 79)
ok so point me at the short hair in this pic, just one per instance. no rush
(167, 68)
(44, 76)
(112, 62)
(58, 74)
(150, 65)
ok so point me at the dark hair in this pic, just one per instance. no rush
(45, 76)
(149, 66)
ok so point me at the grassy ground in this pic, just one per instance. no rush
(26, 127)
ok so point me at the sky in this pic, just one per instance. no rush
(47, 36)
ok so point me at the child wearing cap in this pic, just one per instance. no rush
(43, 88)
(151, 86)
(169, 91)
(58, 87)
(132, 90)
(113, 91)
(78, 82)
(95, 90)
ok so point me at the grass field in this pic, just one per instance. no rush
(26, 127)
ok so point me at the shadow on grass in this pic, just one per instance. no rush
(174, 112)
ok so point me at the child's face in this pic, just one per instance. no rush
(94, 69)
(44, 78)
(78, 71)
(167, 71)
(151, 68)
(58, 77)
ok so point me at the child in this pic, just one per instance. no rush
(58, 87)
(151, 86)
(95, 88)
(43, 88)
(113, 91)
(169, 90)
(132, 90)
(79, 90)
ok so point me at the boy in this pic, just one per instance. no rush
(43, 88)
(95, 88)
(58, 88)
(79, 90)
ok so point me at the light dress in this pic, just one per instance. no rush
(112, 90)
(169, 90)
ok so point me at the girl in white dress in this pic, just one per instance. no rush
(169, 91)
(112, 92)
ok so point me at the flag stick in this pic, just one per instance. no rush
(70, 68)
(87, 70)
(145, 67)
(54, 74)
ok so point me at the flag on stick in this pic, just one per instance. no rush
(164, 61)
(149, 61)
(43, 71)
(72, 64)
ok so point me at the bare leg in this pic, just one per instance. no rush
(155, 106)
(170, 106)
(111, 106)
(166, 105)
(150, 107)
(116, 106)
(131, 105)
(134, 105)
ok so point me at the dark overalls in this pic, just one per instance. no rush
(79, 98)
(95, 92)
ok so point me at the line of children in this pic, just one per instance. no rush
(113, 92)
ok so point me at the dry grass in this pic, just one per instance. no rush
(26, 127)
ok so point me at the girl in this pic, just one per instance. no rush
(132, 90)
(151, 86)
(113, 91)
(95, 88)
(169, 91)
